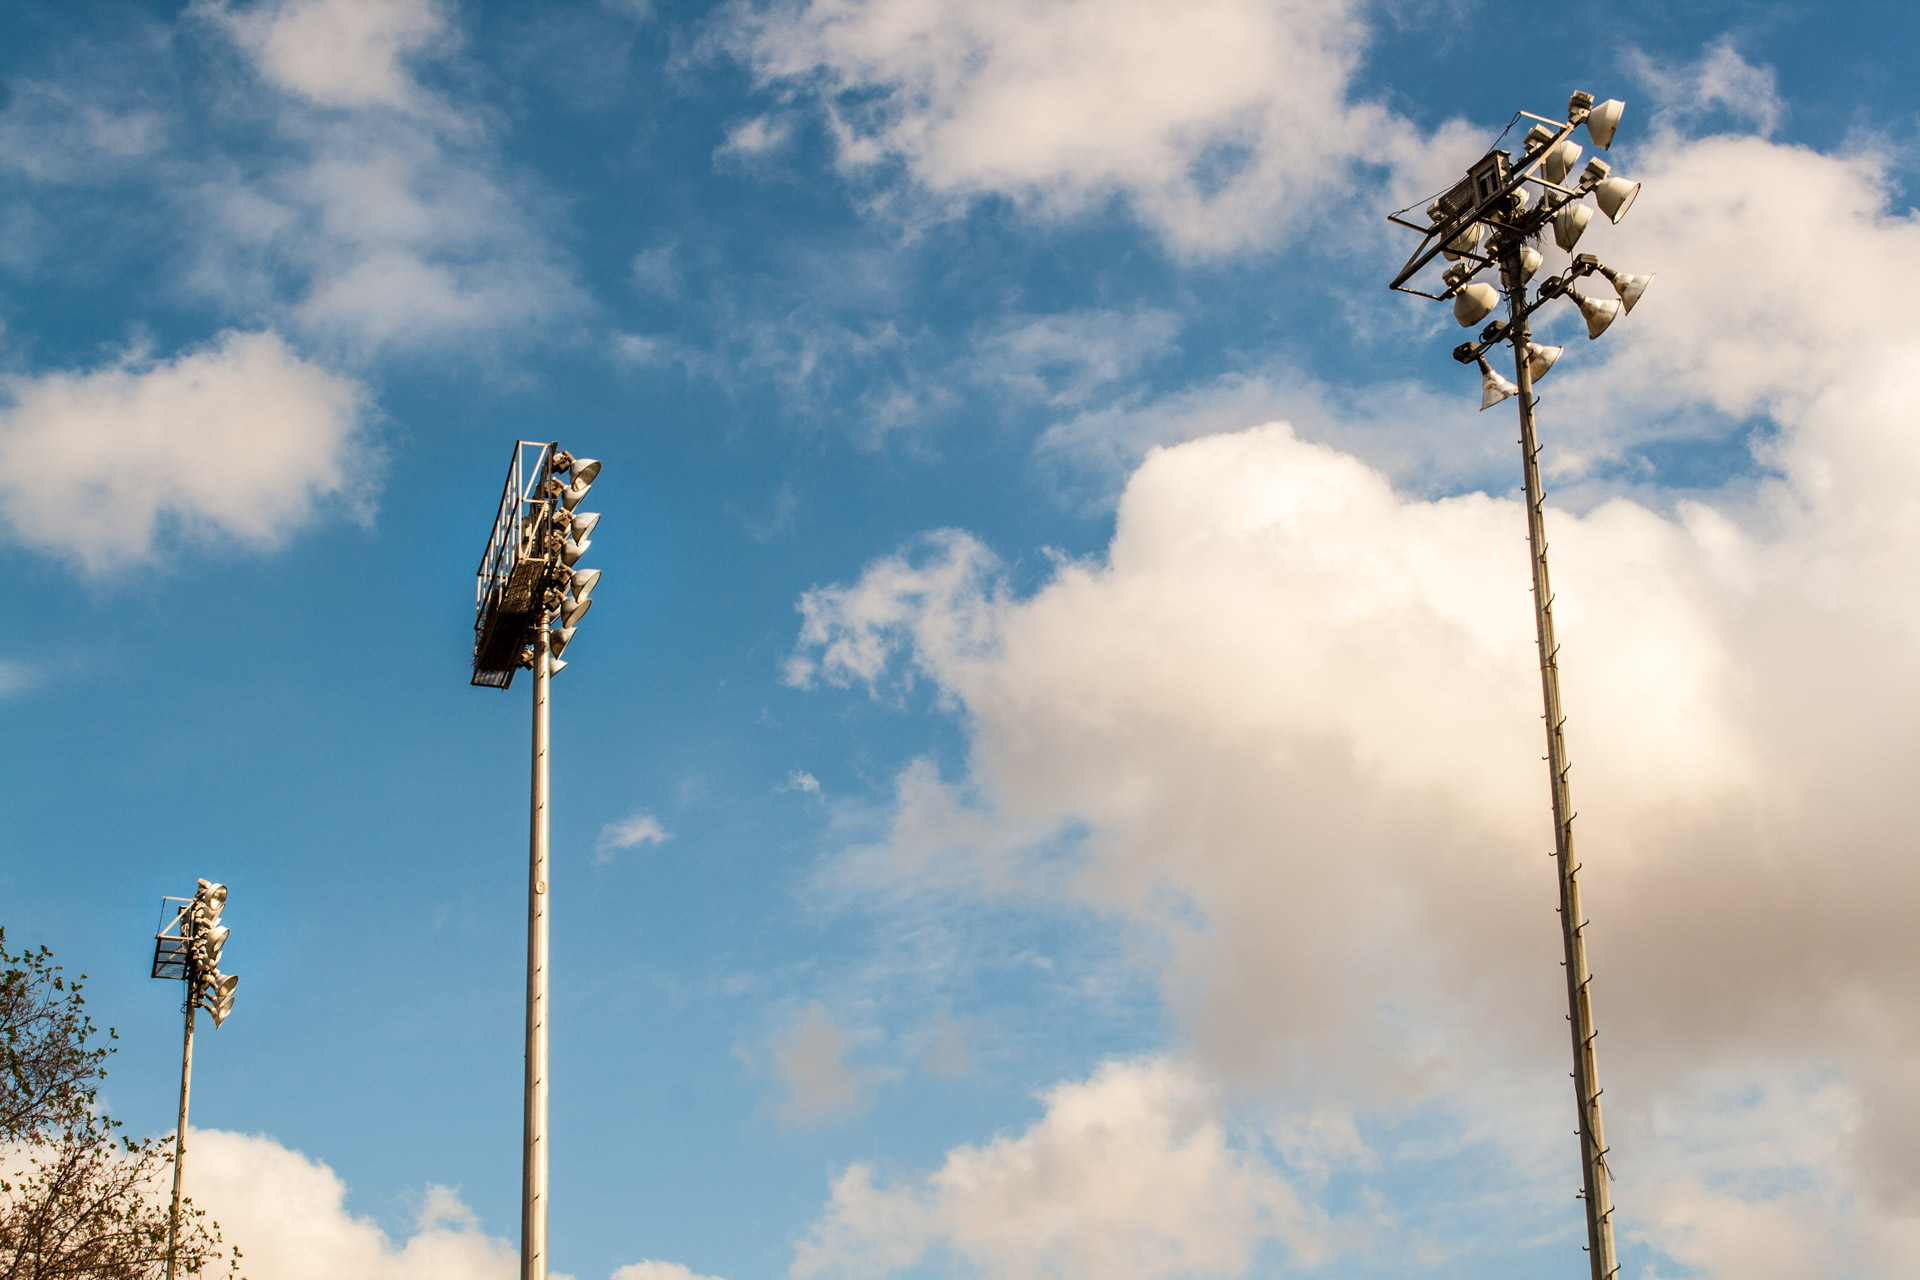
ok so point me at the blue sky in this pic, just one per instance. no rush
(1063, 619)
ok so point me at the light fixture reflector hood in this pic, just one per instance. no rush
(1603, 120)
(1475, 303)
(1628, 287)
(1560, 161)
(1493, 387)
(1616, 197)
(1540, 359)
(1569, 223)
(1598, 312)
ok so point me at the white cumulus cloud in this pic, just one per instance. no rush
(1219, 122)
(239, 440)
(1131, 1174)
(654, 1270)
(286, 1212)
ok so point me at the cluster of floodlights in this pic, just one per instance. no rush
(568, 592)
(531, 592)
(193, 952)
(1492, 218)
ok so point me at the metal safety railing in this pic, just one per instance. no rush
(516, 540)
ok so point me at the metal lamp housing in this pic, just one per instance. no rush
(1616, 196)
(1602, 120)
(1560, 160)
(1475, 303)
(1466, 242)
(1540, 359)
(1628, 287)
(1569, 224)
(1598, 312)
(1493, 387)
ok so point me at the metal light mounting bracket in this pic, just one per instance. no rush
(510, 593)
(1481, 196)
(172, 956)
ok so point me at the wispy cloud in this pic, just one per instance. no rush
(15, 677)
(800, 780)
(1222, 123)
(628, 833)
(811, 1058)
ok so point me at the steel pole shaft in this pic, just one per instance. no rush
(533, 1200)
(1573, 924)
(180, 1131)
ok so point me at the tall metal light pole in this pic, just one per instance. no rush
(1492, 219)
(530, 596)
(187, 948)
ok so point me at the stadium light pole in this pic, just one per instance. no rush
(187, 948)
(530, 596)
(1491, 220)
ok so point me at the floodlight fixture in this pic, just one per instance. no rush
(1569, 223)
(218, 997)
(1628, 287)
(557, 639)
(583, 523)
(584, 472)
(1602, 120)
(1559, 161)
(208, 943)
(1540, 359)
(1509, 221)
(583, 582)
(573, 610)
(1615, 196)
(1493, 387)
(1597, 312)
(1466, 242)
(1475, 303)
